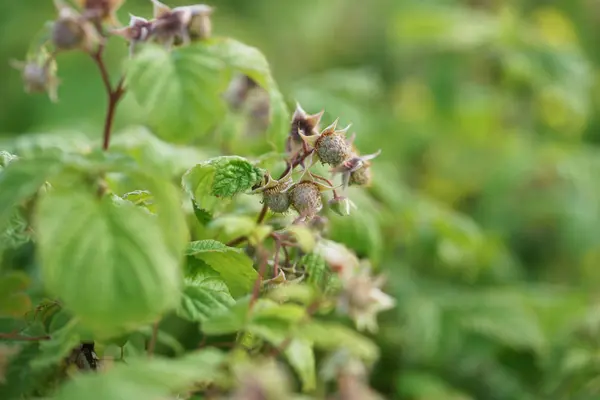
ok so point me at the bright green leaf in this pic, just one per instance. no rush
(180, 90)
(234, 266)
(331, 336)
(228, 322)
(301, 357)
(98, 258)
(154, 378)
(204, 295)
(250, 61)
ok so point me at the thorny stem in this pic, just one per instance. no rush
(276, 259)
(16, 336)
(114, 95)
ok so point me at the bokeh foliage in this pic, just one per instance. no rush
(485, 212)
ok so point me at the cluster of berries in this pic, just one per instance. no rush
(83, 29)
(331, 147)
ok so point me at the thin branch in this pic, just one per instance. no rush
(152, 344)
(237, 241)
(114, 95)
(261, 273)
(276, 258)
(17, 336)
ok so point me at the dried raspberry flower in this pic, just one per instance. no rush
(103, 10)
(305, 124)
(39, 75)
(181, 23)
(137, 31)
(72, 31)
(200, 25)
(362, 298)
(356, 170)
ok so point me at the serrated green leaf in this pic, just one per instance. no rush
(234, 266)
(234, 175)
(146, 378)
(252, 62)
(98, 258)
(214, 180)
(318, 272)
(180, 89)
(331, 336)
(204, 295)
(301, 357)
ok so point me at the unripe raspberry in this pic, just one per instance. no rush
(332, 146)
(277, 201)
(306, 198)
(362, 176)
(71, 31)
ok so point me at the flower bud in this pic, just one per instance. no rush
(341, 205)
(355, 170)
(332, 147)
(72, 31)
(39, 75)
(306, 198)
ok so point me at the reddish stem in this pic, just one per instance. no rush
(114, 95)
(16, 336)
(262, 269)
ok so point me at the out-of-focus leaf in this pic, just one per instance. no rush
(179, 90)
(232, 264)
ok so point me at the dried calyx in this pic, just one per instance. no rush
(302, 124)
(39, 74)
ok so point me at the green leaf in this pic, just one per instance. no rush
(234, 266)
(13, 301)
(179, 90)
(20, 180)
(204, 295)
(20, 379)
(318, 272)
(301, 357)
(303, 236)
(113, 266)
(234, 175)
(208, 182)
(331, 336)
(231, 321)
(252, 62)
(146, 378)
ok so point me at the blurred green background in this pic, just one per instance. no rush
(485, 212)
